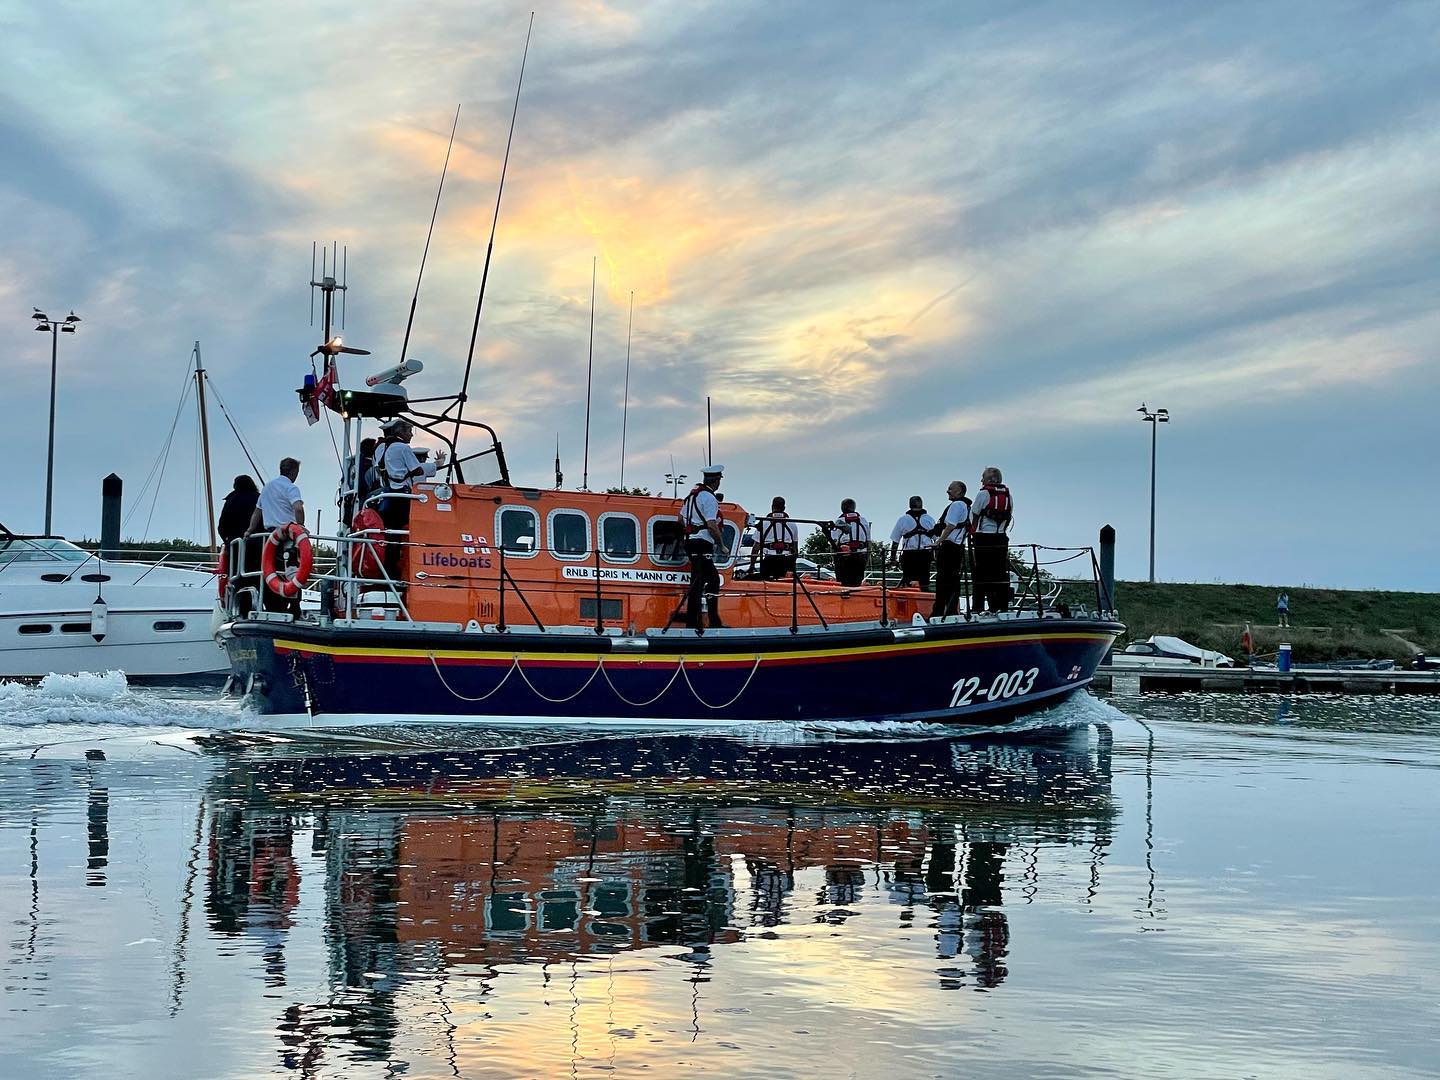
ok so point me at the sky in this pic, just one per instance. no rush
(894, 244)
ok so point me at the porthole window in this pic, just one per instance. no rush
(667, 542)
(619, 537)
(36, 628)
(569, 534)
(94, 577)
(75, 628)
(519, 531)
(169, 624)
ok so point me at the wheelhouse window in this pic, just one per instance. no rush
(569, 534)
(667, 541)
(519, 531)
(619, 537)
(726, 555)
(47, 549)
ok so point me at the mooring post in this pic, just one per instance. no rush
(110, 490)
(1107, 565)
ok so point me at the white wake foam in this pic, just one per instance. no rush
(94, 700)
(1078, 711)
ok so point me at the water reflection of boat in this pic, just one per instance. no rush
(480, 860)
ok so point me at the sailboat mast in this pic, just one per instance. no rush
(205, 446)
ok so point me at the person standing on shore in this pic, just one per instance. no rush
(1282, 610)
(990, 517)
(913, 536)
(951, 532)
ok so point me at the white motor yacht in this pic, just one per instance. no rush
(65, 610)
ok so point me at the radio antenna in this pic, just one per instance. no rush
(625, 409)
(313, 245)
(344, 282)
(490, 247)
(405, 345)
(589, 370)
(709, 442)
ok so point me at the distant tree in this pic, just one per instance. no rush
(617, 490)
(817, 543)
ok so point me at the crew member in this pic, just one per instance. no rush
(850, 535)
(914, 536)
(951, 532)
(397, 467)
(358, 479)
(700, 518)
(779, 543)
(990, 517)
(279, 504)
(239, 507)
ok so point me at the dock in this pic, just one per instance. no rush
(1192, 678)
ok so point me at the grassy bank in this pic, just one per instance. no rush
(1326, 624)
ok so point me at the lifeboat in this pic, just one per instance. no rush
(525, 604)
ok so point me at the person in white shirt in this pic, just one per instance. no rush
(850, 534)
(990, 519)
(280, 502)
(779, 543)
(398, 467)
(913, 536)
(700, 518)
(279, 505)
(951, 532)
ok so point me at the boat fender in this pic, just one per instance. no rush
(287, 581)
(99, 619)
(222, 572)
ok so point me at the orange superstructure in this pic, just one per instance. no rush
(555, 544)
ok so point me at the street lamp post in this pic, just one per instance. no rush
(1153, 417)
(674, 479)
(54, 327)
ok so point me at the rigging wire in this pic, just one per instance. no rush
(160, 479)
(157, 470)
(244, 446)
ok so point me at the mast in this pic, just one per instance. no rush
(589, 370)
(205, 445)
(490, 249)
(625, 409)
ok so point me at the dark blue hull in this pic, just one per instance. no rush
(984, 672)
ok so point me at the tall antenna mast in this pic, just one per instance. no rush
(490, 247)
(709, 442)
(405, 345)
(205, 444)
(589, 371)
(625, 409)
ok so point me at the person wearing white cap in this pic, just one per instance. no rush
(700, 518)
(397, 467)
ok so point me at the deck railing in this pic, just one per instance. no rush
(1036, 586)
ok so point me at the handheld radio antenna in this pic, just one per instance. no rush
(405, 344)
(490, 247)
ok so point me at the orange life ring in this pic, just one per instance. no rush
(222, 570)
(282, 582)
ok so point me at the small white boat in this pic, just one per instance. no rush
(1161, 650)
(63, 610)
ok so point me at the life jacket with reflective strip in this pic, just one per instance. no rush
(688, 513)
(1000, 507)
(852, 543)
(773, 533)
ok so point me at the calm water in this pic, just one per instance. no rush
(1195, 886)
